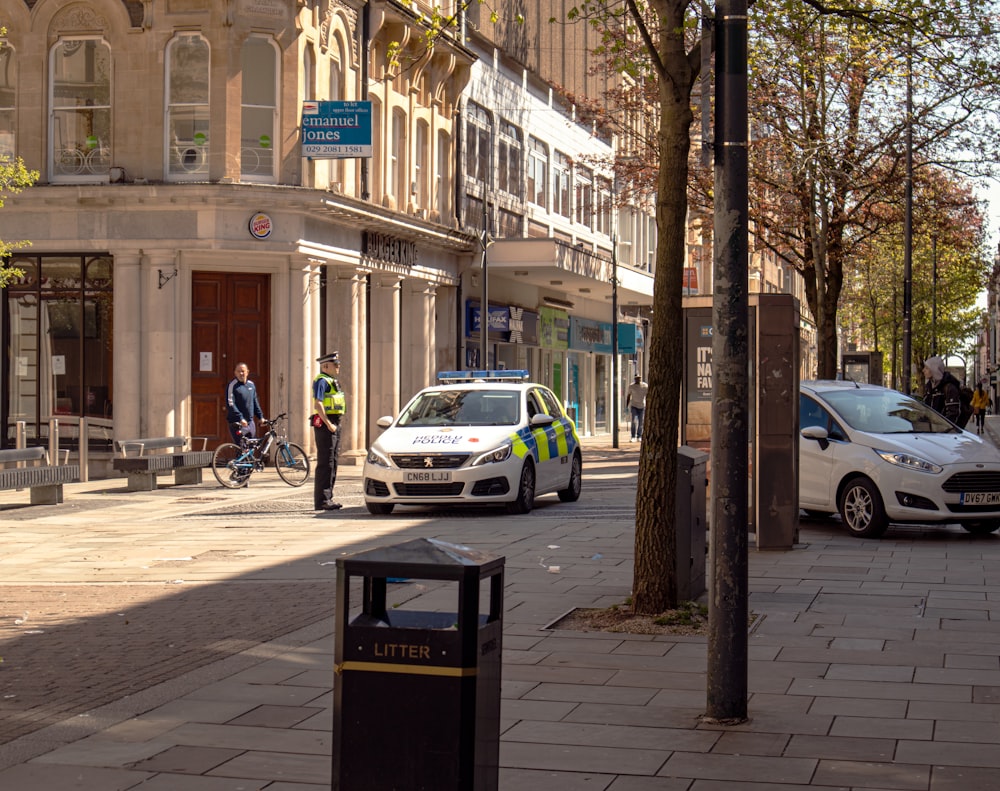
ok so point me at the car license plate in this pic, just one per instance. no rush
(427, 476)
(980, 498)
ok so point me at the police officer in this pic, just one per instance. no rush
(329, 402)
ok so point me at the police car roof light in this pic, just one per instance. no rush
(514, 375)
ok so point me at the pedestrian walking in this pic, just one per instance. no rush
(942, 391)
(330, 404)
(242, 404)
(980, 403)
(635, 400)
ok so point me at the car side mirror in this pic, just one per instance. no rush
(384, 422)
(817, 433)
(541, 419)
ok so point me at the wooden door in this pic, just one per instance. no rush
(230, 324)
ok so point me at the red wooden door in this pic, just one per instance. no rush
(230, 324)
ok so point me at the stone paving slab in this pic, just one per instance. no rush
(874, 664)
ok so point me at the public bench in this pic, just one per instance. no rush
(169, 454)
(36, 473)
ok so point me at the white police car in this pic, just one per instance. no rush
(477, 437)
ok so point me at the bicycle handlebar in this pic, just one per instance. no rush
(274, 420)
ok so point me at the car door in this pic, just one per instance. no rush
(562, 442)
(819, 460)
(545, 441)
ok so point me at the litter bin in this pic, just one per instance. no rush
(692, 523)
(417, 694)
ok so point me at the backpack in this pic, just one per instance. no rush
(965, 398)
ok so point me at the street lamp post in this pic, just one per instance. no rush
(614, 339)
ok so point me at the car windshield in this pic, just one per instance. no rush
(463, 408)
(886, 412)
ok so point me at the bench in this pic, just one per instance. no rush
(45, 480)
(141, 467)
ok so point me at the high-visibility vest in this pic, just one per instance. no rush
(334, 400)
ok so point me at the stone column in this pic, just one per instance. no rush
(419, 337)
(347, 322)
(384, 394)
(160, 358)
(127, 386)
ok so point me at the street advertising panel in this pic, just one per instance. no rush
(336, 130)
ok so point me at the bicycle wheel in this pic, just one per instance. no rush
(292, 463)
(230, 467)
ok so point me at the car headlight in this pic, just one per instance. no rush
(908, 461)
(492, 456)
(378, 458)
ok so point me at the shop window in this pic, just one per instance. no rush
(59, 357)
(477, 143)
(259, 117)
(8, 97)
(560, 184)
(538, 171)
(80, 110)
(584, 197)
(510, 156)
(187, 108)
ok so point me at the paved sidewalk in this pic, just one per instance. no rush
(875, 664)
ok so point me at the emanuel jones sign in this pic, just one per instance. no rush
(336, 130)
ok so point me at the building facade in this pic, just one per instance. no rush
(176, 229)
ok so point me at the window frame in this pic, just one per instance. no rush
(193, 152)
(261, 176)
(90, 162)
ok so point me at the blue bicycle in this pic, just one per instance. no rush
(234, 464)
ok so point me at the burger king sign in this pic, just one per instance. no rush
(260, 226)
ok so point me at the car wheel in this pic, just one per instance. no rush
(862, 510)
(525, 490)
(982, 527)
(380, 509)
(572, 491)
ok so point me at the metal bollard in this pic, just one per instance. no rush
(20, 435)
(54, 441)
(84, 447)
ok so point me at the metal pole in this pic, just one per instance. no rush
(729, 593)
(614, 340)
(908, 229)
(484, 306)
(934, 295)
(84, 449)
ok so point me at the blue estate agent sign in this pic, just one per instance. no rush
(336, 130)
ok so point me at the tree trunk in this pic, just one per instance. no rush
(655, 579)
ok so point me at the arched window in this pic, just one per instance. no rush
(420, 170)
(8, 99)
(80, 110)
(397, 165)
(336, 92)
(187, 108)
(376, 183)
(442, 182)
(259, 60)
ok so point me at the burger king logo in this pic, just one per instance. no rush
(260, 226)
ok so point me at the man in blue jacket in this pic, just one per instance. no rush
(242, 405)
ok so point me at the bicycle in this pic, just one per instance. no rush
(233, 464)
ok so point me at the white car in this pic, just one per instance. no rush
(877, 456)
(479, 437)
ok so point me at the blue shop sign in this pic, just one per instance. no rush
(595, 336)
(336, 130)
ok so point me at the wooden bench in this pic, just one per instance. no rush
(45, 480)
(142, 467)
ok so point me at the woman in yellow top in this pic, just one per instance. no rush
(980, 402)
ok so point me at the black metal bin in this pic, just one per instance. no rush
(417, 694)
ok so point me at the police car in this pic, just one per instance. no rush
(477, 437)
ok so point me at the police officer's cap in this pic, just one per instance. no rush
(332, 357)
